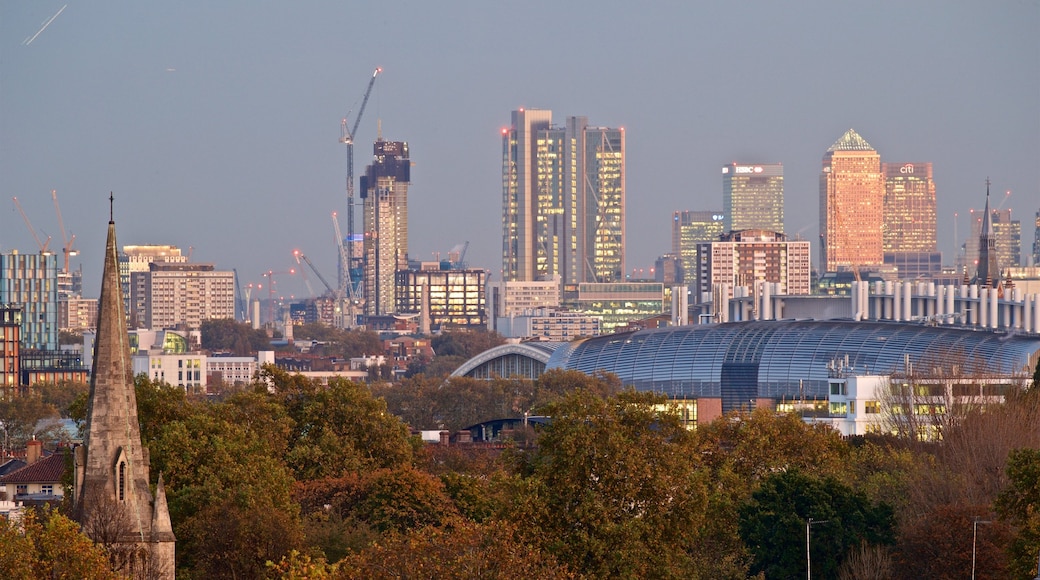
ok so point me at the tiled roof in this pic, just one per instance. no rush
(47, 470)
(10, 466)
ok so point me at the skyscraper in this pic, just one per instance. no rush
(1007, 235)
(31, 282)
(563, 200)
(753, 197)
(384, 193)
(909, 228)
(852, 192)
(690, 228)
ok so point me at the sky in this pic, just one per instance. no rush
(216, 125)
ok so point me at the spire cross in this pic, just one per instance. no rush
(111, 200)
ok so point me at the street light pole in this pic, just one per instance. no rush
(974, 535)
(808, 560)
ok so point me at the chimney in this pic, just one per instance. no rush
(33, 451)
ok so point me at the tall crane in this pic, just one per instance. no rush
(43, 245)
(66, 241)
(347, 137)
(300, 256)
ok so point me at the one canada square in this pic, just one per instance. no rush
(563, 200)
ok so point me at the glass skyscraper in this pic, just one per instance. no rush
(384, 193)
(753, 197)
(563, 200)
(690, 228)
(852, 192)
(909, 229)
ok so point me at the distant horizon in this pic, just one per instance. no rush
(217, 126)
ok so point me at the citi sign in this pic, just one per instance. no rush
(740, 169)
(907, 169)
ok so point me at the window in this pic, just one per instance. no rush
(121, 482)
(21, 489)
(47, 489)
(871, 407)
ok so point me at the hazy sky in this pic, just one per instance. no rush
(217, 124)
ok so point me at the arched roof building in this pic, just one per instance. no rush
(734, 364)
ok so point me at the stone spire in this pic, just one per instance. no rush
(988, 272)
(112, 499)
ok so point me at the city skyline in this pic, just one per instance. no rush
(229, 142)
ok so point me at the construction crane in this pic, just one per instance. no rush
(66, 241)
(347, 138)
(300, 256)
(270, 274)
(43, 245)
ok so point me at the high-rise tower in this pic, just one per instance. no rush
(909, 237)
(384, 193)
(852, 192)
(563, 200)
(753, 197)
(112, 499)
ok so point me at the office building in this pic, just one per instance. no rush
(748, 257)
(77, 314)
(615, 304)
(563, 200)
(549, 324)
(444, 298)
(174, 294)
(909, 228)
(690, 228)
(515, 298)
(1007, 238)
(753, 197)
(30, 281)
(384, 194)
(852, 192)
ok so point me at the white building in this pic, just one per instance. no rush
(551, 325)
(514, 298)
(186, 370)
(171, 294)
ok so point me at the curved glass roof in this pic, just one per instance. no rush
(789, 359)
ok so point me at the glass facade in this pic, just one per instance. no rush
(753, 197)
(563, 200)
(690, 228)
(384, 189)
(30, 281)
(852, 192)
(456, 297)
(787, 360)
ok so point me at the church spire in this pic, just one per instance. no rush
(988, 273)
(111, 479)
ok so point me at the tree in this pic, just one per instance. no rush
(773, 524)
(939, 544)
(612, 489)
(465, 344)
(1019, 506)
(20, 419)
(49, 545)
(238, 338)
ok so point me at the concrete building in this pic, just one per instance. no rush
(76, 314)
(384, 194)
(169, 294)
(563, 200)
(909, 227)
(111, 481)
(30, 281)
(690, 228)
(444, 298)
(506, 299)
(852, 193)
(748, 257)
(551, 325)
(137, 259)
(753, 197)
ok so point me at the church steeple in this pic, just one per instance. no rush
(988, 272)
(111, 482)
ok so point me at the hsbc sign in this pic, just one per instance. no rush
(744, 169)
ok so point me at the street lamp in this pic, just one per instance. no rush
(974, 534)
(808, 561)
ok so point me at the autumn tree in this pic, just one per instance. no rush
(21, 417)
(49, 545)
(238, 338)
(1019, 506)
(612, 489)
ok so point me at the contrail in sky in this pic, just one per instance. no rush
(45, 25)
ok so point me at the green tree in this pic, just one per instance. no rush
(773, 524)
(612, 489)
(1019, 506)
(20, 420)
(465, 344)
(238, 338)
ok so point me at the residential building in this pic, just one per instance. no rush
(31, 282)
(171, 294)
(76, 314)
(40, 480)
(753, 197)
(384, 194)
(690, 228)
(136, 259)
(563, 200)
(748, 257)
(852, 193)
(444, 298)
(909, 240)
